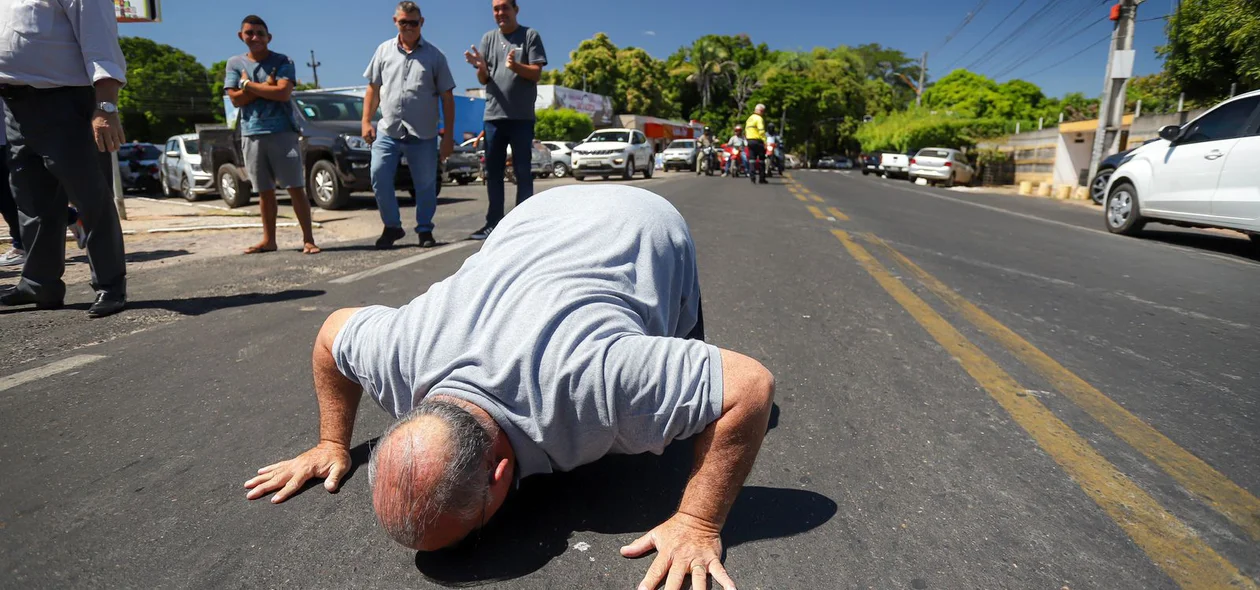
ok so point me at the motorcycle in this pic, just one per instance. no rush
(739, 157)
(708, 161)
(774, 158)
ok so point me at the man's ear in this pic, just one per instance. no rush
(501, 470)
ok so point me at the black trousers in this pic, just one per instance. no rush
(8, 208)
(53, 159)
(757, 152)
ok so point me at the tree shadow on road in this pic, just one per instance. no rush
(1240, 246)
(617, 495)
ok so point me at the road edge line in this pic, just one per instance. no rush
(384, 268)
(17, 379)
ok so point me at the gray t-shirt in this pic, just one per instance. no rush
(567, 327)
(410, 85)
(509, 96)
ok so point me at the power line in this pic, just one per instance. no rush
(1021, 63)
(990, 33)
(1071, 57)
(966, 21)
(1014, 34)
(1041, 47)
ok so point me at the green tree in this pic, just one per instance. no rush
(1017, 100)
(218, 73)
(562, 125)
(1212, 45)
(592, 66)
(705, 65)
(642, 83)
(963, 93)
(894, 67)
(167, 91)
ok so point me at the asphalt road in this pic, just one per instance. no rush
(974, 391)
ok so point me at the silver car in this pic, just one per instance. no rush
(561, 159)
(944, 165)
(180, 169)
(680, 155)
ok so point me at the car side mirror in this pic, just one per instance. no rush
(172, 154)
(1170, 133)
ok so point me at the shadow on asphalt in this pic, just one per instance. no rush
(1241, 246)
(618, 495)
(194, 306)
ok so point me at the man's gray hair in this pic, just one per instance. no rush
(463, 487)
(409, 7)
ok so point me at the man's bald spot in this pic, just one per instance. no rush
(410, 463)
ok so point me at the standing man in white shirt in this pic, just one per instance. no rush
(406, 77)
(60, 72)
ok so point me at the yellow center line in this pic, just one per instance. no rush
(801, 198)
(1210, 485)
(818, 214)
(837, 214)
(1169, 543)
(816, 198)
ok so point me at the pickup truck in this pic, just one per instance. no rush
(338, 161)
(895, 165)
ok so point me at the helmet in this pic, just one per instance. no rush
(739, 128)
(706, 130)
(770, 128)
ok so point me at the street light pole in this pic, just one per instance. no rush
(1119, 69)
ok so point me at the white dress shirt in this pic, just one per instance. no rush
(53, 43)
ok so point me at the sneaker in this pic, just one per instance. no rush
(389, 236)
(426, 240)
(14, 257)
(482, 233)
(80, 235)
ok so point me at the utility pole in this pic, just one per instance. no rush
(918, 102)
(1119, 70)
(314, 65)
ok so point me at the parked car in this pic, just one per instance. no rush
(944, 165)
(793, 163)
(138, 167)
(895, 165)
(611, 151)
(1199, 175)
(680, 155)
(826, 163)
(843, 163)
(869, 163)
(540, 162)
(1098, 186)
(338, 160)
(561, 157)
(180, 169)
(464, 165)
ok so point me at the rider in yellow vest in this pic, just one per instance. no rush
(755, 131)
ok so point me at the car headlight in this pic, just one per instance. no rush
(195, 167)
(357, 143)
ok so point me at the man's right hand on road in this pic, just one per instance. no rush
(327, 460)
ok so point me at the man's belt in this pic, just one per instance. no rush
(17, 91)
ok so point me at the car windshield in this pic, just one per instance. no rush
(139, 152)
(684, 144)
(192, 146)
(933, 154)
(332, 107)
(613, 136)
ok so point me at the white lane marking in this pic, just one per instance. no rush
(371, 272)
(1091, 230)
(48, 370)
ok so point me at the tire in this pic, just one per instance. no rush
(605, 177)
(649, 171)
(628, 173)
(234, 191)
(559, 170)
(185, 190)
(866, 173)
(579, 177)
(1098, 188)
(949, 182)
(166, 187)
(463, 180)
(325, 186)
(1123, 213)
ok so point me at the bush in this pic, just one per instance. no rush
(913, 130)
(562, 125)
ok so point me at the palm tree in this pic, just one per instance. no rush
(706, 63)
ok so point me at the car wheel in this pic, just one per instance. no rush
(559, 170)
(1098, 188)
(628, 173)
(649, 170)
(234, 191)
(326, 188)
(605, 177)
(949, 182)
(166, 186)
(186, 190)
(463, 180)
(579, 178)
(1124, 215)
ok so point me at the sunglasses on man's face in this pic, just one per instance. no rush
(407, 22)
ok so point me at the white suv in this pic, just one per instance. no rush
(1206, 174)
(610, 151)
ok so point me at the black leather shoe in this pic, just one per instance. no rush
(426, 240)
(13, 297)
(107, 304)
(389, 236)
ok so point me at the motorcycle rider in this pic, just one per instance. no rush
(706, 142)
(774, 149)
(737, 143)
(756, 134)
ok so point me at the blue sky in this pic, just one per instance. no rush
(344, 33)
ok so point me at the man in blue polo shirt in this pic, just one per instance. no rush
(260, 84)
(406, 78)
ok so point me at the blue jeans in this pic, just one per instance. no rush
(422, 160)
(499, 135)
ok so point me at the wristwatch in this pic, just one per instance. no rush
(107, 107)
